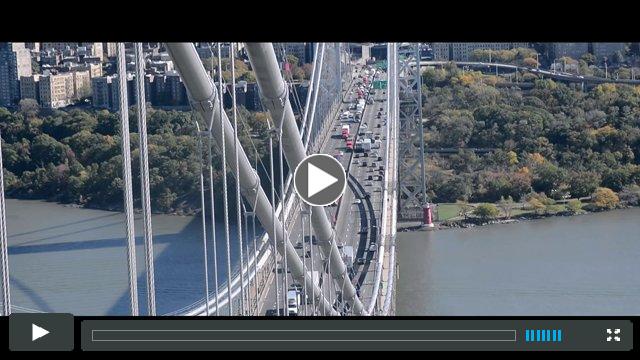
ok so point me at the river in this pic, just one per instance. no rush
(65, 259)
(581, 265)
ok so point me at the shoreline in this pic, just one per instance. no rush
(476, 222)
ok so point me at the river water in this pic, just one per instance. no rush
(65, 259)
(581, 265)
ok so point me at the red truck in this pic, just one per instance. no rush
(345, 131)
(350, 144)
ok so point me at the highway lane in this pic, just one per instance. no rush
(330, 147)
(353, 217)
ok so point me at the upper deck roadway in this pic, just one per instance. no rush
(352, 217)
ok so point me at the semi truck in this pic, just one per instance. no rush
(345, 131)
(350, 144)
(293, 301)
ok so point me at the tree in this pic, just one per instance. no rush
(486, 211)
(29, 107)
(536, 205)
(530, 62)
(574, 206)
(583, 183)
(604, 198)
(506, 205)
(465, 208)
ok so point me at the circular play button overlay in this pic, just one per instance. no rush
(319, 180)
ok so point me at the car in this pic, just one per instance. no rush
(379, 125)
(373, 248)
(273, 312)
(364, 126)
(370, 177)
(298, 245)
(361, 261)
(368, 183)
(364, 163)
(379, 158)
(356, 161)
(357, 201)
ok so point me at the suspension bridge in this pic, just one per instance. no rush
(340, 260)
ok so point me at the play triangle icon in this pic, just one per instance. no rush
(318, 180)
(37, 332)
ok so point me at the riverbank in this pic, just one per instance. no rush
(472, 222)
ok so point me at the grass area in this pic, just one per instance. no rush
(447, 211)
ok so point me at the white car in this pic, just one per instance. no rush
(357, 201)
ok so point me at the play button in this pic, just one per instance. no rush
(319, 180)
(37, 332)
(41, 332)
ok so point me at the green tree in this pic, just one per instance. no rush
(574, 206)
(486, 211)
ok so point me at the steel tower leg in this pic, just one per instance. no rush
(274, 91)
(204, 100)
(411, 171)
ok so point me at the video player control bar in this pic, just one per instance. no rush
(355, 334)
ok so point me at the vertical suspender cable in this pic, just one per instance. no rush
(312, 256)
(273, 216)
(4, 244)
(213, 222)
(237, 175)
(141, 109)
(126, 173)
(304, 263)
(255, 254)
(203, 213)
(255, 246)
(213, 207)
(245, 217)
(284, 222)
(224, 183)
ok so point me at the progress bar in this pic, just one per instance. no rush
(305, 335)
(354, 334)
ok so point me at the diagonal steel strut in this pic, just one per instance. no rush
(275, 98)
(204, 100)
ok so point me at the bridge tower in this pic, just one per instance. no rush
(412, 202)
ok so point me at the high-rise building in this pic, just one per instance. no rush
(572, 50)
(463, 51)
(29, 86)
(56, 91)
(602, 50)
(297, 49)
(15, 62)
(109, 49)
(440, 51)
(81, 84)
(101, 92)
